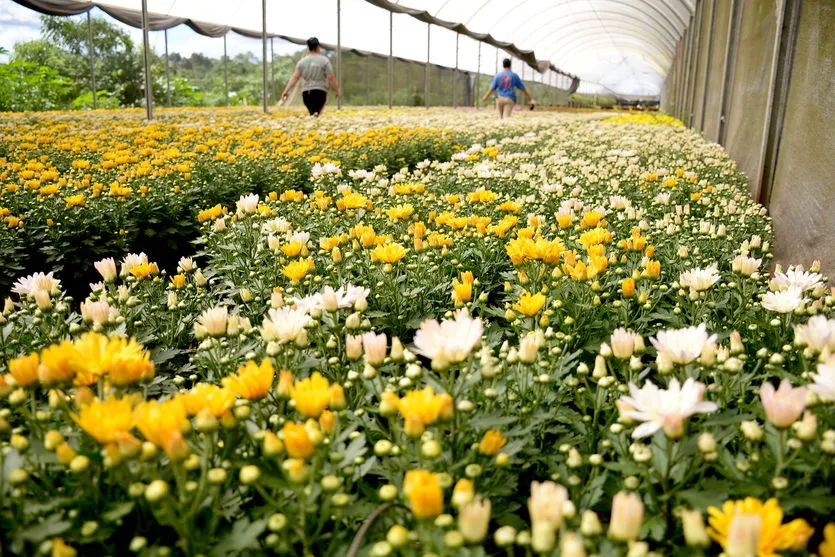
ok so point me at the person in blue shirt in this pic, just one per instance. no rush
(504, 85)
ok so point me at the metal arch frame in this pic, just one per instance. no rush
(570, 38)
(672, 34)
(630, 42)
(612, 20)
(556, 50)
(672, 28)
(658, 43)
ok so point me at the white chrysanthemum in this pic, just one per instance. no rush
(619, 202)
(818, 334)
(796, 278)
(130, 261)
(682, 346)
(212, 322)
(824, 380)
(665, 409)
(106, 268)
(745, 265)
(662, 198)
(300, 237)
(624, 343)
(284, 324)
(278, 225)
(45, 282)
(449, 341)
(784, 301)
(99, 313)
(247, 204)
(699, 279)
(186, 264)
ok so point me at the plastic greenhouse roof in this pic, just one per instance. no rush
(626, 46)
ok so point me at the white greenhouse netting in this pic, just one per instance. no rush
(624, 46)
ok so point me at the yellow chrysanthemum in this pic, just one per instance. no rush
(352, 200)
(162, 424)
(400, 212)
(827, 546)
(297, 441)
(24, 369)
(59, 363)
(208, 399)
(311, 395)
(144, 270)
(123, 361)
(462, 290)
(492, 442)
(423, 490)
(420, 408)
(530, 304)
(108, 421)
(253, 381)
(774, 536)
(297, 270)
(389, 253)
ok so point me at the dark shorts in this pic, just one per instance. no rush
(315, 100)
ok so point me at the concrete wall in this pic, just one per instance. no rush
(760, 80)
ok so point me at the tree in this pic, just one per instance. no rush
(117, 60)
(28, 85)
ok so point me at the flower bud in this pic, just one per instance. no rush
(627, 516)
(751, 430)
(250, 474)
(388, 492)
(397, 536)
(572, 546)
(707, 443)
(156, 491)
(505, 536)
(806, 429)
(543, 537)
(694, 528)
(590, 524)
(743, 535)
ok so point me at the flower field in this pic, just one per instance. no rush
(403, 333)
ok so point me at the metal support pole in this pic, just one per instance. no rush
(426, 71)
(391, 59)
(455, 75)
(728, 69)
(167, 74)
(91, 55)
(497, 60)
(368, 71)
(225, 72)
(264, 56)
(709, 55)
(697, 51)
(149, 110)
(272, 69)
(476, 97)
(339, 50)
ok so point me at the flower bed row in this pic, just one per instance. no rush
(564, 342)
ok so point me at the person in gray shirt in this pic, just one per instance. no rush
(317, 72)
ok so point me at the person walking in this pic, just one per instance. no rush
(504, 85)
(317, 71)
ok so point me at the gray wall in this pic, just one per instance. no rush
(757, 76)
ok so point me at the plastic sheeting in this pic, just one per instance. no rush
(623, 45)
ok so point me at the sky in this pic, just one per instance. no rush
(364, 26)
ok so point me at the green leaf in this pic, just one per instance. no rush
(118, 511)
(50, 527)
(243, 535)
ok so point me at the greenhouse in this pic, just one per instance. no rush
(428, 278)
